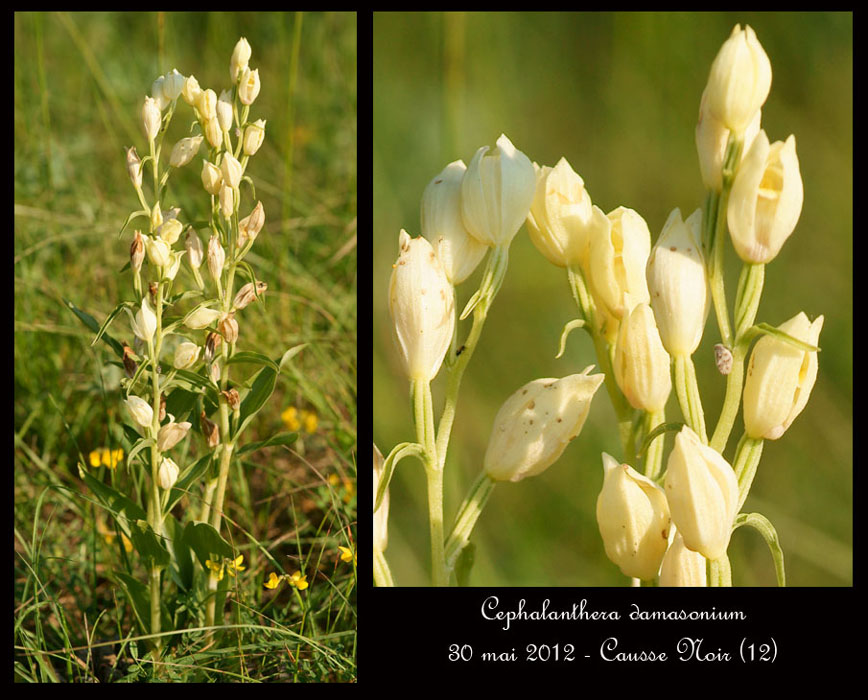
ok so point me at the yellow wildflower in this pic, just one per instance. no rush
(127, 544)
(349, 489)
(347, 554)
(273, 580)
(216, 569)
(290, 418)
(334, 479)
(298, 580)
(235, 565)
(104, 456)
(309, 420)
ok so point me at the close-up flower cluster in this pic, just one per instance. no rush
(665, 517)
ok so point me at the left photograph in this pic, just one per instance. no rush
(185, 347)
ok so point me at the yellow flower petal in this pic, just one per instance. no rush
(347, 554)
(94, 458)
(273, 581)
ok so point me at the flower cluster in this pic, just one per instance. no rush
(646, 308)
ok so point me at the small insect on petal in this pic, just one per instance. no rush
(722, 358)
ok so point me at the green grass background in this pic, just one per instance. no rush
(618, 96)
(79, 83)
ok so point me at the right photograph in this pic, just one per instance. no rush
(613, 299)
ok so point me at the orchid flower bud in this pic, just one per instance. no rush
(173, 85)
(212, 178)
(134, 166)
(250, 226)
(201, 318)
(145, 322)
(227, 201)
(559, 221)
(195, 253)
(159, 252)
(212, 342)
(740, 80)
(641, 364)
(170, 231)
(780, 378)
(224, 110)
(171, 270)
(381, 515)
(421, 302)
(209, 429)
(766, 199)
(140, 411)
(703, 495)
(216, 257)
(496, 193)
(459, 252)
(207, 104)
(228, 327)
(171, 434)
(231, 170)
(184, 150)
(156, 217)
(682, 567)
(168, 473)
(248, 88)
(137, 251)
(151, 118)
(158, 94)
(191, 91)
(254, 135)
(240, 58)
(633, 517)
(677, 284)
(534, 426)
(186, 355)
(248, 294)
(617, 257)
(711, 139)
(213, 132)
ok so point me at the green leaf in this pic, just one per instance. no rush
(249, 181)
(148, 545)
(124, 510)
(762, 525)
(139, 446)
(111, 317)
(765, 328)
(253, 358)
(193, 378)
(401, 450)
(134, 215)
(259, 393)
(568, 328)
(91, 323)
(182, 569)
(464, 564)
(137, 592)
(206, 542)
(180, 402)
(658, 431)
(183, 296)
(279, 439)
(289, 354)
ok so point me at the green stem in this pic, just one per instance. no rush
(492, 280)
(654, 455)
(689, 399)
(468, 514)
(747, 459)
(382, 573)
(719, 573)
(623, 410)
(423, 413)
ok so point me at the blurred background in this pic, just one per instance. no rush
(618, 96)
(80, 80)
